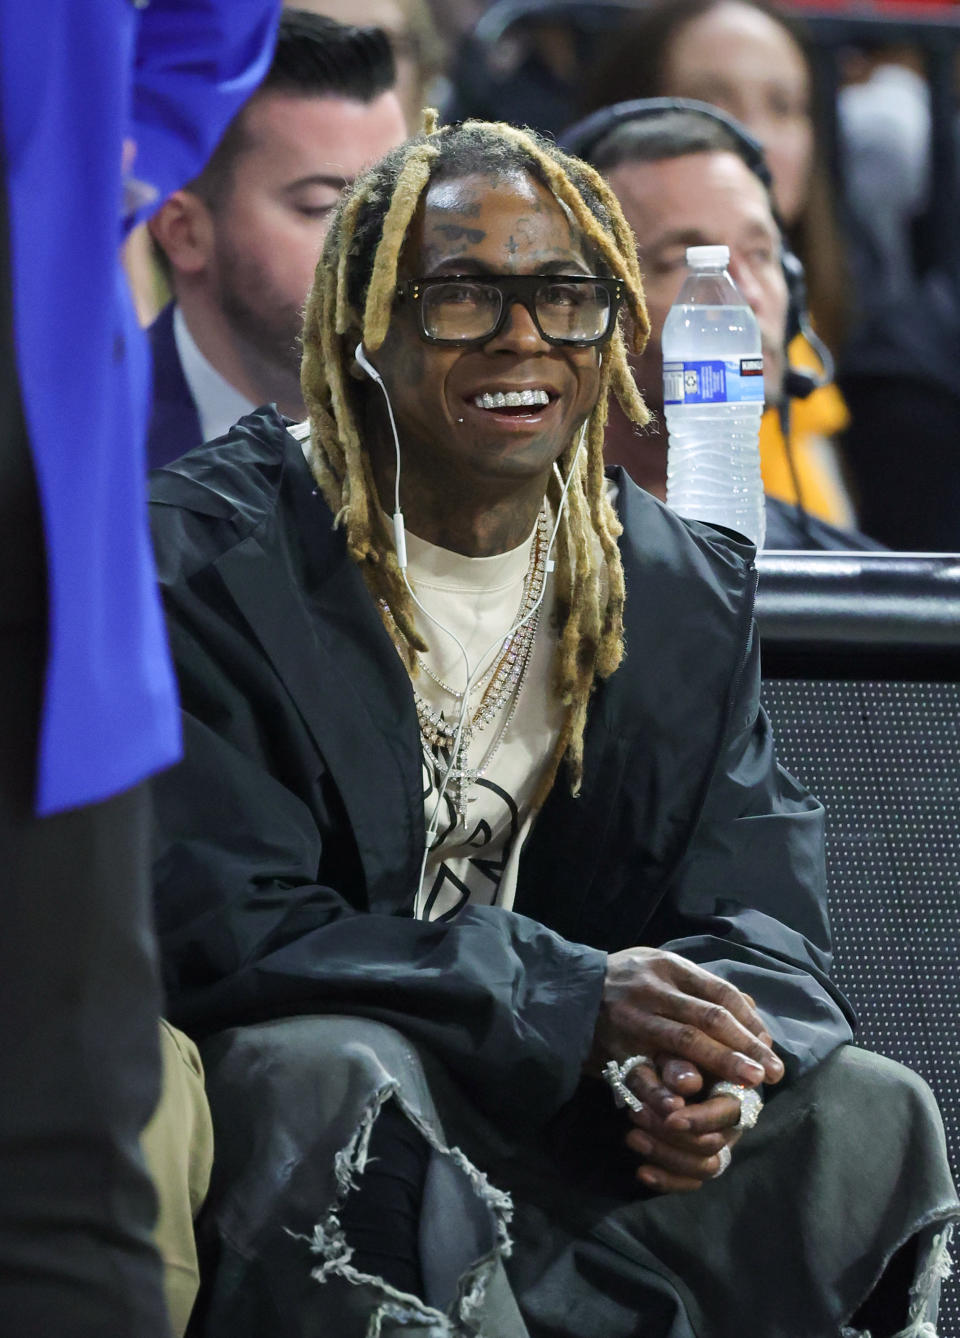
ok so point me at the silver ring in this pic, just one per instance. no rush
(615, 1074)
(724, 1157)
(751, 1102)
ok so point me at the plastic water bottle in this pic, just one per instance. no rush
(713, 399)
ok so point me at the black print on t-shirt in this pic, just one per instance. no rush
(445, 879)
(479, 876)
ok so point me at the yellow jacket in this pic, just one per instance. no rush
(821, 416)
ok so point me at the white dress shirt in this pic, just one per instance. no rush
(218, 403)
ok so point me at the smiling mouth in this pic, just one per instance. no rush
(514, 402)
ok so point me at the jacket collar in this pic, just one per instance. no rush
(294, 583)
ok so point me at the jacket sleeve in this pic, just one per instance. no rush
(749, 900)
(196, 64)
(257, 916)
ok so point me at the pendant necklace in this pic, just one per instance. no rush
(503, 682)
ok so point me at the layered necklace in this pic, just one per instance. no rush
(500, 685)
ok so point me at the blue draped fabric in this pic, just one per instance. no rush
(79, 78)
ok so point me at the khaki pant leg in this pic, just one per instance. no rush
(178, 1147)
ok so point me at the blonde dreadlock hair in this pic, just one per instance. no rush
(354, 289)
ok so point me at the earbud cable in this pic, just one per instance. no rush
(472, 676)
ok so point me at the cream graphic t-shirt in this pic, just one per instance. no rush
(479, 599)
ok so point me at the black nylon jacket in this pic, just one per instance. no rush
(290, 838)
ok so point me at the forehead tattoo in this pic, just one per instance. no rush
(462, 200)
(459, 232)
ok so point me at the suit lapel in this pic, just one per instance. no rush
(174, 422)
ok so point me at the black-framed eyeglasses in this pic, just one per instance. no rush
(578, 309)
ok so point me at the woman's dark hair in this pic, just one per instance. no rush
(633, 64)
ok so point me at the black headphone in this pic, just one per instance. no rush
(582, 139)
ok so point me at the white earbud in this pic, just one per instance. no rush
(399, 534)
(360, 354)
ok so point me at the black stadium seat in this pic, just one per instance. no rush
(861, 662)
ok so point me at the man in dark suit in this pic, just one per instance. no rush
(241, 241)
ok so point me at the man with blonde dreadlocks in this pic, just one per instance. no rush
(480, 882)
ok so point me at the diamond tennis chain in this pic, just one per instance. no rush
(503, 681)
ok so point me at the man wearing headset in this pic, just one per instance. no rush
(689, 175)
(480, 849)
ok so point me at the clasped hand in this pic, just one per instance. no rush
(697, 1029)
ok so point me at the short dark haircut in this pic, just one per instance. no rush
(671, 134)
(315, 56)
(656, 137)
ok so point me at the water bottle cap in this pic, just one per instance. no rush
(708, 257)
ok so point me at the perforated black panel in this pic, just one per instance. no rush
(885, 760)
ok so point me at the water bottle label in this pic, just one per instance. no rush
(714, 381)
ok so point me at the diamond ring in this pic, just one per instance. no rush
(751, 1103)
(615, 1074)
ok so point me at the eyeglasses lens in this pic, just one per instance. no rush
(460, 310)
(574, 312)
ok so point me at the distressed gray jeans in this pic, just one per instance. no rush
(543, 1234)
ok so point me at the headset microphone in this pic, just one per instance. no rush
(800, 382)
